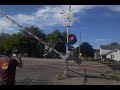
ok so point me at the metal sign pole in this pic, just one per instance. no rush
(67, 38)
(68, 19)
(66, 71)
(85, 78)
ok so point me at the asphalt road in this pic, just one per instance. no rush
(38, 71)
(47, 71)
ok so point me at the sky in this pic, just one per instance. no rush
(98, 24)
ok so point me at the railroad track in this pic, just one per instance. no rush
(112, 65)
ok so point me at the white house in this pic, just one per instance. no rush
(110, 52)
(114, 54)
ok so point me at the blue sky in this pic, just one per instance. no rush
(98, 24)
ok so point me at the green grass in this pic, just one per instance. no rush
(60, 77)
(115, 78)
(113, 75)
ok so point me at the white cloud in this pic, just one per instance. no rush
(6, 25)
(99, 40)
(115, 8)
(103, 40)
(48, 15)
(24, 18)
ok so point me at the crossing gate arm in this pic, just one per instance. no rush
(34, 36)
(65, 57)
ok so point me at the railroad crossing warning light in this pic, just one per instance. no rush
(72, 39)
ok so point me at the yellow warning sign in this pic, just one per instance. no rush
(4, 65)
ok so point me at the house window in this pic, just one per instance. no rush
(112, 56)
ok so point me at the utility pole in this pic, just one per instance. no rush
(79, 46)
(68, 20)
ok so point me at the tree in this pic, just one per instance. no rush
(2, 41)
(86, 49)
(56, 42)
(8, 42)
(114, 44)
(29, 44)
(24, 43)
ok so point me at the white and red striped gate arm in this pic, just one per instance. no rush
(31, 34)
(66, 57)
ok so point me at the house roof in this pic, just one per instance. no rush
(111, 51)
(109, 47)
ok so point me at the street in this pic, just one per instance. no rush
(47, 72)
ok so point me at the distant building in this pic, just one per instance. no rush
(110, 52)
(96, 54)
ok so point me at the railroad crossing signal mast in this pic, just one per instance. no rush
(67, 21)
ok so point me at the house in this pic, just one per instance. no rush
(110, 52)
(96, 54)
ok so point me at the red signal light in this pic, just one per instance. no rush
(71, 38)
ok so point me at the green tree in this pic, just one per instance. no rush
(8, 42)
(114, 44)
(2, 41)
(29, 44)
(56, 42)
(86, 49)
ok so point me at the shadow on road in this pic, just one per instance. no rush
(88, 76)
